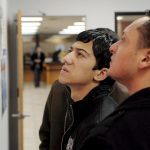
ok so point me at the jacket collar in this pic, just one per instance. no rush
(100, 90)
(90, 102)
(139, 100)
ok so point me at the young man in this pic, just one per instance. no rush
(128, 127)
(52, 127)
(85, 72)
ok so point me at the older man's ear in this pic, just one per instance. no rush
(144, 58)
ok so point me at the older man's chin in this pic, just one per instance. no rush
(62, 80)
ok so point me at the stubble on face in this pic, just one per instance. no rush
(123, 61)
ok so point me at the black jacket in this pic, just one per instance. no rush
(85, 114)
(127, 128)
(58, 102)
(52, 127)
(35, 56)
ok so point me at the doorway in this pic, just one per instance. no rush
(51, 37)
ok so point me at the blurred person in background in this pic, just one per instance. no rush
(37, 60)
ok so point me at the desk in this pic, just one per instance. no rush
(29, 74)
(49, 74)
(52, 71)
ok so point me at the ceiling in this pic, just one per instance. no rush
(51, 25)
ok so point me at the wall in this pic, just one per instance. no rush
(99, 13)
(3, 77)
(96, 11)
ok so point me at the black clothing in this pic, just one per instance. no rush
(37, 67)
(52, 128)
(85, 114)
(56, 56)
(127, 128)
(41, 57)
(119, 92)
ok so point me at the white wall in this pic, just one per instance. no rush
(99, 13)
(3, 45)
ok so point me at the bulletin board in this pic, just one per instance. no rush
(3, 64)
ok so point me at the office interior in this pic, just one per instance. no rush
(96, 13)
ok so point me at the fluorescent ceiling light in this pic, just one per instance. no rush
(79, 23)
(30, 24)
(29, 33)
(32, 19)
(30, 27)
(72, 30)
(29, 30)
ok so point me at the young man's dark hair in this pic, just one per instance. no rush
(102, 39)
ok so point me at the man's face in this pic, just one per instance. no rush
(39, 49)
(126, 54)
(78, 65)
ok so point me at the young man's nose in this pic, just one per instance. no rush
(68, 58)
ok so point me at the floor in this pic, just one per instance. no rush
(34, 102)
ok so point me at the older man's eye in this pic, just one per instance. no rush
(79, 53)
(69, 51)
(122, 38)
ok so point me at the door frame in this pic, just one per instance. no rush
(15, 83)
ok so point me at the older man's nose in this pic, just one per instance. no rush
(113, 47)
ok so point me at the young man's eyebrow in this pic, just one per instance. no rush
(79, 49)
(84, 51)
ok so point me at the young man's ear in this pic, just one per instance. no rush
(145, 59)
(100, 75)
